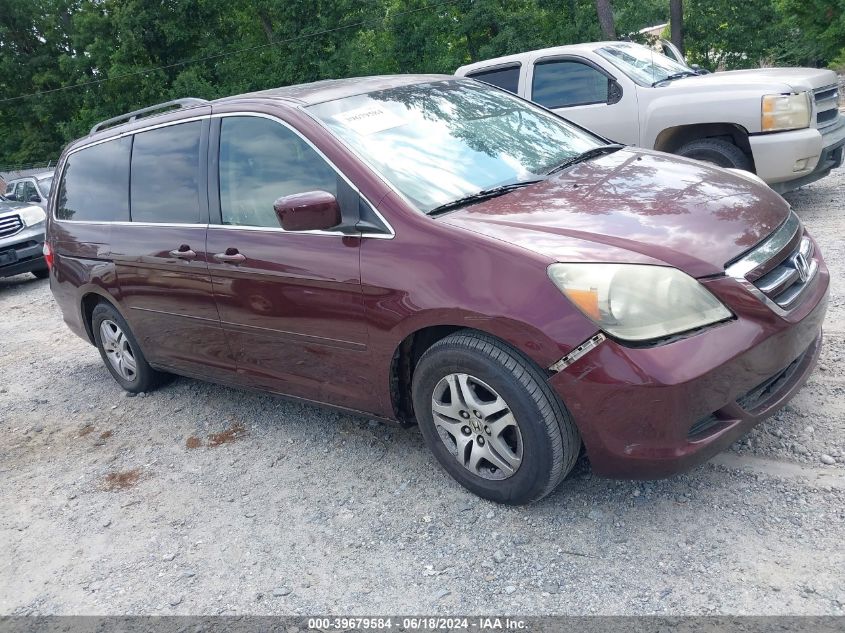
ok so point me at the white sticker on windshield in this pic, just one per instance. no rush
(369, 119)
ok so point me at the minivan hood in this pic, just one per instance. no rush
(768, 80)
(634, 206)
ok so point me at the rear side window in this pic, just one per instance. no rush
(165, 174)
(506, 78)
(95, 183)
(260, 161)
(560, 84)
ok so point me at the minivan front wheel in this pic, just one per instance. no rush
(491, 420)
(120, 351)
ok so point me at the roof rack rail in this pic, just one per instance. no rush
(131, 116)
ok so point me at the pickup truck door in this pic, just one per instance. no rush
(584, 92)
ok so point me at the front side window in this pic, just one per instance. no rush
(260, 161)
(440, 141)
(165, 174)
(28, 192)
(642, 64)
(95, 183)
(561, 84)
(505, 78)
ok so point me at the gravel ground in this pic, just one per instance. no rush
(206, 500)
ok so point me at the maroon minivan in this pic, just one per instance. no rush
(435, 250)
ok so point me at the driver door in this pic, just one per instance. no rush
(579, 90)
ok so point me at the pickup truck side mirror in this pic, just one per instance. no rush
(308, 211)
(614, 92)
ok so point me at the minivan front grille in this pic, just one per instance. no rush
(827, 106)
(10, 225)
(781, 267)
(786, 281)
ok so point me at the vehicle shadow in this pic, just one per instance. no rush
(20, 281)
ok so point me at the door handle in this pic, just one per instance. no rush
(183, 252)
(231, 256)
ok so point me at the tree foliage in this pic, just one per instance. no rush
(154, 50)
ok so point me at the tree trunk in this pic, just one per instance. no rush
(676, 19)
(266, 24)
(605, 11)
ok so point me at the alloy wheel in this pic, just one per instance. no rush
(118, 351)
(477, 426)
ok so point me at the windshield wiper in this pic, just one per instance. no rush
(484, 194)
(590, 153)
(673, 77)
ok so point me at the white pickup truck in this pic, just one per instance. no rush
(781, 123)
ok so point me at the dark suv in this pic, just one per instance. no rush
(435, 250)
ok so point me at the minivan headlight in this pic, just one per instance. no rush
(32, 215)
(635, 302)
(786, 112)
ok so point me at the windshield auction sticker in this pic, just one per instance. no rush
(369, 119)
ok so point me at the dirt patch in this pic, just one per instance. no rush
(106, 435)
(120, 480)
(193, 442)
(86, 430)
(232, 434)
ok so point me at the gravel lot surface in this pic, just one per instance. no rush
(202, 499)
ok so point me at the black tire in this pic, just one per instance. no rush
(716, 151)
(550, 442)
(42, 273)
(145, 377)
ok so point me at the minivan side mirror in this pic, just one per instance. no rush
(308, 211)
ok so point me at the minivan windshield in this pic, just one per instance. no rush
(443, 141)
(644, 65)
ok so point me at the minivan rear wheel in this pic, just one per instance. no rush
(491, 420)
(120, 351)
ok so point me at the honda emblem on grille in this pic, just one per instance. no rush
(802, 266)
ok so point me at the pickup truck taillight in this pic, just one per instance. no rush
(48, 255)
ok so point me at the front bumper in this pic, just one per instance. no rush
(647, 413)
(776, 154)
(22, 252)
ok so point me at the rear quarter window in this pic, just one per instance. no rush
(95, 183)
(506, 78)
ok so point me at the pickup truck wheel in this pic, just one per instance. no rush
(717, 152)
(120, 351)
(491, 419)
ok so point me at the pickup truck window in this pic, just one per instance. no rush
(506, 77)
(44, 185)
(441, 141)
(560, 84)
(642, 64)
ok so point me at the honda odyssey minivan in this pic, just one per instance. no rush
(434, 250)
